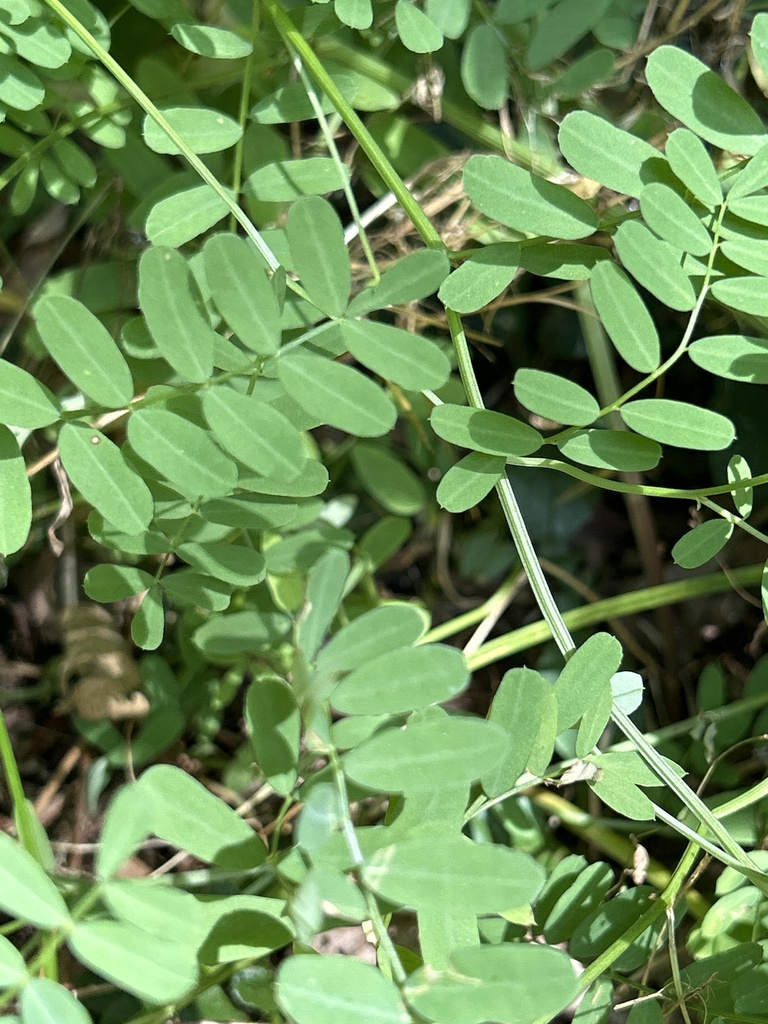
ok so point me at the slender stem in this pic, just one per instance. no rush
(21, 810)
(242, 114)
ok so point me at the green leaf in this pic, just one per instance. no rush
(155, 908)
(179, 218)
(316, 989)
(593, 68)
(752, 177)
(409, 359)
(691, 162)
(413, 277)
(561, 260)
(678, 424)
(702, 543)
(601, 151)
(338, 395)
(12, 967)
(625, 317)
(290, 102)
(733, 356)
(477, 878)
(193, 589)
(483, 430)
(286, 180)
(326, 585)
(748, 294)
(616, 783)
(426, 753)
(484, 66)
(355, 13)
(26, 892)
(693, 94)
(388, 479)
(224, 637)
(524, 706)
(251, 510)
(417, 31)
(655, 264)
(20, 88)
(612, 449)
(759, 36)
(511, 983)
(580, 892)
(107, 583)
(42, 1001)
(98, 470)
(402, 680)
(24, 401)
(208, 41)
(563, 26)
(274, 724)
(738, 469)
(182, 811)
(668, 214)
(237, 564)
(148, 623)
(155, 969)
(538, 207)
(586, 675)
(555, 397)
(467, 483)
(319, 253)
(371, 635)
(15, 495)
(254, 432)
(171, 303)
(125, 827)
(627, 689)
(751, 208)
(182, 452)
(481, 277)
(450, 16)
(749, 253)
(202, 129)
(242, 292)
(82, 347)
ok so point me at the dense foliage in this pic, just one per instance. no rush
(247, 247)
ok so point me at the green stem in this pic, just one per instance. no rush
(601, 611)
(242, 116)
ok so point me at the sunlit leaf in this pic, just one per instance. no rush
(237, 564)
(402, 680)
(668, 214)
(274, 724)
(692, 164)
(320, 256)
(655, 264)
(84, 350)
(26, 892)
(481, 277)
(202, 129)
(288, 179)
(555, 397)
(254, 432)
(407, 358)
(171, 303)
(479, 878)
(183, 216)
(24, 401)
(15, 495)
(702, 543)
(586, 674)
(738, 469)
(314, 989)
(42, 1001)
(372, 634)
(733, 356)
(483, 430)
(522, 200)
(338, 395)
(467, 483)
(599, 150)
(612, 449)
(679, 424)
(417, 31)
(415, 276)
(242, 292)
(693, 94)
(209, 41)
(625, 317)
(563, 26)
(484, 70)
(748, 294)
(525, 707)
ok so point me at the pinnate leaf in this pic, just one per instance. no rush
(24, 401)
(82, 347)
(242, 292)
(483, 430)
(563, 26)
(45, 1002)
(26, 892)
(702, 543)
(388, 479)
(599, 150)
(558, 399)
(99, 471)
(409, 359)
(286, 180)
(655, 264)
(679, 424)
(338, 395)
(312, 989)
(481, 277)
(733, 356)
(690, 161)
(372, 634)
(254, 432)
(668, 214)
(413, 277)
(274, 724)
(467, 483)
(612, 449)
(693, 94)
(15, 495)
(319, 252)
(748, 294)
(625, 317)
(202, 129)
(522, 200)
(417, 31)
(484, 66)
